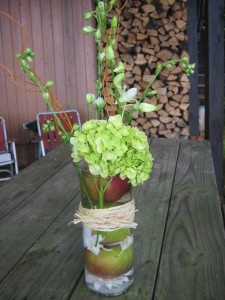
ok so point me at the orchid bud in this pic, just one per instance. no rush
(120, 68)
(49, 84)
(117, 80)
(113, 42)
(76, 127)
(114, 22)
(28, 51)
(23, 62)
(87, 15)
(27, 67)
(100, 103)
(110, 53)
(45, 95)
(158, 68)
(101, 56)
(98, 35)
(88, 29)
(90, 98)
(151, 93)
(45, 127)
(29, 58)
(169, 65)
(112, 2)
(101, 6)
(146, 107)
(185, 59)
(31, 75)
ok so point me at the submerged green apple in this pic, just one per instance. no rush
(115, 236)
(109, 264)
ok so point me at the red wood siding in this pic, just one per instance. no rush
(63, 54)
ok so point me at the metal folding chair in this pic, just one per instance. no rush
(50, 140)
(8, 155)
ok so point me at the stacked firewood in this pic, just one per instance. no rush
(151, 32)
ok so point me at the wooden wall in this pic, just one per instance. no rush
(63, 54)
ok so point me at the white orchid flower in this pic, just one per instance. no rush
(99, 282)
(101, 56)
(99, 103)
(127, 96)
(90, 241)
(126, 243)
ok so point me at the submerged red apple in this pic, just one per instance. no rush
(116, 189)
(109, 264)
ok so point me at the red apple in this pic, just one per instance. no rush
(109, 264)
(91, 187)
(116, 189)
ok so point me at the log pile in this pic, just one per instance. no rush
(154, 31)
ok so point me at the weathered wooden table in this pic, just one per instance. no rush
(179, 242)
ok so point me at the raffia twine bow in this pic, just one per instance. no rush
(117, 217)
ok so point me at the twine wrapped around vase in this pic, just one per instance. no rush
(117, 217)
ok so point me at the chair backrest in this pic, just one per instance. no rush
(51, 139)
(3, 135)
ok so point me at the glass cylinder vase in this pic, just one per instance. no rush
(108, 249)
(108, 260)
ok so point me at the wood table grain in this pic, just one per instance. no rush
(179, 241)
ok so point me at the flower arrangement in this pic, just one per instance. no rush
(111, 148)
(110, 155)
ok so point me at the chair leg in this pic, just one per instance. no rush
(11, 169)
(37, 149)
(42, 148)
(15, 158)
(8, 172)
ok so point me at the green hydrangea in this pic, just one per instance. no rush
(110, 148)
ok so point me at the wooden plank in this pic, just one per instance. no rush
(12, 193)
(59, 55)
(23, 226)
(80, 59)
(51, 267)
(89, 53)
(36, 36)
(223, 211)
(31, 103)
(48, 46)
(192, 26)
(193, 259)
(3, 102)
(215, 86)
(152, 200)
(20, 110)
(8, 61)
(70, 82)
